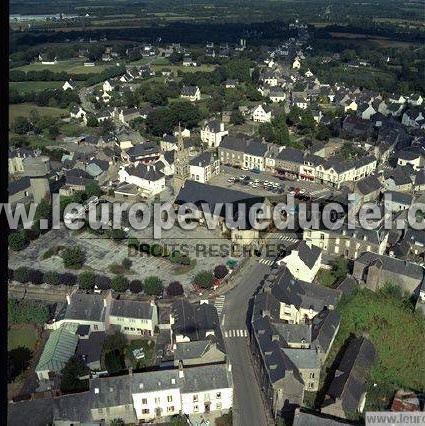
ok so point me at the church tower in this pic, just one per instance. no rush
(181, 164)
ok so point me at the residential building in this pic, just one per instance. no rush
(397, 201)
(134, 317)
(304, 261)
(204, 167)
(212, 133)
(262, 114)
(377, 270)
(349, 243)
(191, 93)
(146, 177)
(346, 396)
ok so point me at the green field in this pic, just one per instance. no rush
(71, 67)
(24, 110)
(157, 60)
(398, 334)
(24, 335)
(176, 68)
(34, 86)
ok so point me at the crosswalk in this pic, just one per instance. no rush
(236, 333)
(287, 238)
(319, 192)
(268, 262)
(219, 304)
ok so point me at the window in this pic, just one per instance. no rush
(311, 375)
(195, 408)
(218, 395)
(145, 411)
(144, 401)
(169, 398)
(157, 400)
(218, 406)
(195, 398)
(170, 409)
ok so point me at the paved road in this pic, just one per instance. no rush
(248, 407)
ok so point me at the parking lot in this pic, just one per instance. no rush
(265, 184)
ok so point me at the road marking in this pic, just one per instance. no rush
(219, 304)
(267, 262)
(236, 333)
(222, 321)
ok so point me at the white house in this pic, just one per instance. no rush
(78, 113)
(277, 94)
(192, 93)
(304, 261)
(296, 64)
(415, 100)
(203, 167)
(146, 177)
(68, 85)
(134, 317)
(262, 114)
(212, 133)
(107, 86)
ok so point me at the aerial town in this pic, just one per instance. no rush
(192, 324)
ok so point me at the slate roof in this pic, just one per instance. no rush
(147, 172)
(19, 185)
(213, 126)
(90, 349)
(350, 378)
(291, 154)
(143, 149)
(131, 309)
(77, 177)
(399, 176)
(248, 146)
(399, 197)
(84, 307)
(368, 185)
(302, 294)
(304, 418)
(392, 264)
(189, 90)
(308, 254)
(204, 159)
(303, 358)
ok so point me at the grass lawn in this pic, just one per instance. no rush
(326, 277)
(24, 110)
(34, 86)
(70, 66)
(22, 335)
(149, 350)
(176, 68)
(398, 334)
(158, 60)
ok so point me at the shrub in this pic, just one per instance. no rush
(153, 286)
(136, 286)
(21, 275)
(126, 263)
(204, 279)
(177, 257)
(220, 271)
(35, 276)
(67, 279)
(103, 282)
(27, 311)
(51, 277)
(17, 240)
(73, 257)
(117, 235)
(119, 283)
(86, 280)
(175, 289)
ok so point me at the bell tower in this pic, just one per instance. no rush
(181, 164)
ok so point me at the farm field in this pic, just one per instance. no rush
(34, 86)
(71, 67)
(176, 68)
(24, 110)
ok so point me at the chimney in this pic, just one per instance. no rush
(68, 299)
(229, 368)
(152, 303)
(130, 371)
(181, 372)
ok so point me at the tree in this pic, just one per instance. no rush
(92, 189)
(51, 278)
(236, 117)
(27, 311)
(117, 422)
(119, 284)
(71, 373)
(175, 289)
(44, 210)
(103, 282)
(127, 263)
(73, 257)
(22, 275)
(136, 286)
(220, 271)
(18, 360)
(17, 240)
(21, 126)
(67, 279)
(323, 133)
(92, 121)
(117, 235)
(204, 279)
(153, 286)
(86, 280)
